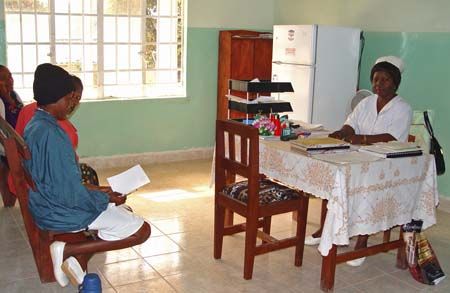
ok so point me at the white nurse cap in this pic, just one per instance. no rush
(394, 60)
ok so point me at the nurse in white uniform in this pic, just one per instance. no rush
(384, 116)
(381, 117)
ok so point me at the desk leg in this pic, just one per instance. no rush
(323, 215)
(328, 270)
(402, 263)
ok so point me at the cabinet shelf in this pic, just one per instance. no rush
(243, 55)
(263, 108)
(252, 88)
(263, 86)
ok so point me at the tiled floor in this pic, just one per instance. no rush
(178, 256)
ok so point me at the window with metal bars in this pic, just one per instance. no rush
(119, 48)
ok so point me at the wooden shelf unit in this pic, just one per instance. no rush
(243, 55)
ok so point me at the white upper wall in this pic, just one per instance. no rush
(249, 14)
(370, 15)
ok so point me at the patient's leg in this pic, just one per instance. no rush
(361, 242)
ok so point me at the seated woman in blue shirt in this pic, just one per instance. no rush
(61, 202)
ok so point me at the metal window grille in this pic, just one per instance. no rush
(119, 48)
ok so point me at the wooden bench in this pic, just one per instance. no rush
(16, 152)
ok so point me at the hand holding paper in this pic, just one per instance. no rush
(128, 181)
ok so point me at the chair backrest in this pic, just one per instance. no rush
(237, 153)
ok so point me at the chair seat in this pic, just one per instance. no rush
(269, 191)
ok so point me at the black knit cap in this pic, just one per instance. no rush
(51, 83)
(390, 69)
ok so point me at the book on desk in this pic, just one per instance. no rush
(317, 145)
(394, 149)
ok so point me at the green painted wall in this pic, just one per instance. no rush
(249, 14)
(370, 15)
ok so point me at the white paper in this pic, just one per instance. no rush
(129, 180)
(308, 126)
(398, 146)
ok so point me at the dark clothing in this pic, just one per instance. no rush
(12, 110)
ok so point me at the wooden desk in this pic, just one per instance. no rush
(364, 197)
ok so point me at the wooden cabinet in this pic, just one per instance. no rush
(243, 55)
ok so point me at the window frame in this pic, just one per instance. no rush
(99, 92)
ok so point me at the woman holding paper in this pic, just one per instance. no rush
(381, 117)
(60, 201)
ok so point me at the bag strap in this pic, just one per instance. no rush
(428, 124)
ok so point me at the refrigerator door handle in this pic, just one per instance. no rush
(295, 64)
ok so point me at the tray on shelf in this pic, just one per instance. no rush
(265, 108)
(266, 86)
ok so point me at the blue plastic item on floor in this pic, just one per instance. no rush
(91, 284)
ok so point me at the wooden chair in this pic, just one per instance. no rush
(16, 152)
(257, 199)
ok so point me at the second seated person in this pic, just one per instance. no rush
(61, 202)
(381, 117)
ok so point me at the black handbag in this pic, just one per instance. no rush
(435, 147)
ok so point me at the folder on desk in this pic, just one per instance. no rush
(319, 143)
(382, 151)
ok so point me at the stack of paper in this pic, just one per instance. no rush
(308, 126)
(398, 145)
(393, 149)
(315, 145)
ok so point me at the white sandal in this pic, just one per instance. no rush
(72, 268)
(57, 254)
(356, 262)
(310, 240)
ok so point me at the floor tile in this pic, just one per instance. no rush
(17, 268)
(156, 245)
(385, 283)
(155, 285)
(172, 263)
(127, 272)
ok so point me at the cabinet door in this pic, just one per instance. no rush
(262, 64)
(242, 56)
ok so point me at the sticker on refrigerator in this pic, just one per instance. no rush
(291, 34)
(289, 51)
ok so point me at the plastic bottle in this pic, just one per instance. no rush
(91, 284)
(277, 126)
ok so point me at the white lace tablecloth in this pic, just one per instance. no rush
(363, 198)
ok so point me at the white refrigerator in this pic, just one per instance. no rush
(321, 62)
